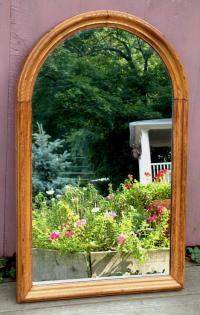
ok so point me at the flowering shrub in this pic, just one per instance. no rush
(80, 219)
(160, 175)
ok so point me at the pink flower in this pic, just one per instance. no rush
(64, 225)
(80, 223)
(121, 239)
(160, 209)
(110, 197)
(70, 234)
(152, 218)
(111, 214)
(54, 235)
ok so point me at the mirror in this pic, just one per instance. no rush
(101, 159)
(104, 196)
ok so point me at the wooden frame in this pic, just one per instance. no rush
(26, 291)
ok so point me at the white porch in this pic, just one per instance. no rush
(146, 134)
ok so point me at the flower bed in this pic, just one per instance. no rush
(82, 220)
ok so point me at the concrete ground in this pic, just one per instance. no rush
(185, 302)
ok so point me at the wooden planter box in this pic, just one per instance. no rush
(104, 264)
(50, 265)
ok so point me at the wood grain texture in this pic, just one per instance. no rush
(24, 198)
(25, 291)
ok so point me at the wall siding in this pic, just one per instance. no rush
(4, 99)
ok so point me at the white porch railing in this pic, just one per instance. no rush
(156, 167)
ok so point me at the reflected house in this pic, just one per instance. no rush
(151, 143)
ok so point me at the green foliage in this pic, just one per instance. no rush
(49, 165)
(80, 219)
(7, 268)
(12, 273)
(195, 253)
(3, 262)
(91, 87)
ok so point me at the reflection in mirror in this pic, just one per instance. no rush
(101, 159)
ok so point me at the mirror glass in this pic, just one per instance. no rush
(101, 160)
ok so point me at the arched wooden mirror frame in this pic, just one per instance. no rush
(26, 291)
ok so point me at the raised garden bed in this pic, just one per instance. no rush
(104, 264)
(49, 265)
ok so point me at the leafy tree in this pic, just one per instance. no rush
(49, 165)
(91, 87)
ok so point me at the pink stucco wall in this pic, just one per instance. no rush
(23, 22)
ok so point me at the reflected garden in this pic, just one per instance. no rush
(101, 158)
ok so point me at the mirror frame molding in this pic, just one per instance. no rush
(26, 291)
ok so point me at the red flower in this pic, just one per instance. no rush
(128, 186)
(160, 209)
(160, 175)
(70, 234)
(152, 218)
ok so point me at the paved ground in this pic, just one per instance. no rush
(185, 302)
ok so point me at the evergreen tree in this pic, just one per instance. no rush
(49, 163)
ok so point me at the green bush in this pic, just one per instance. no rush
(195, 253)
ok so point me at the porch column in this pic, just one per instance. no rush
(145, 158)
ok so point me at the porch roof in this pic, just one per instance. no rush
(136, 127)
